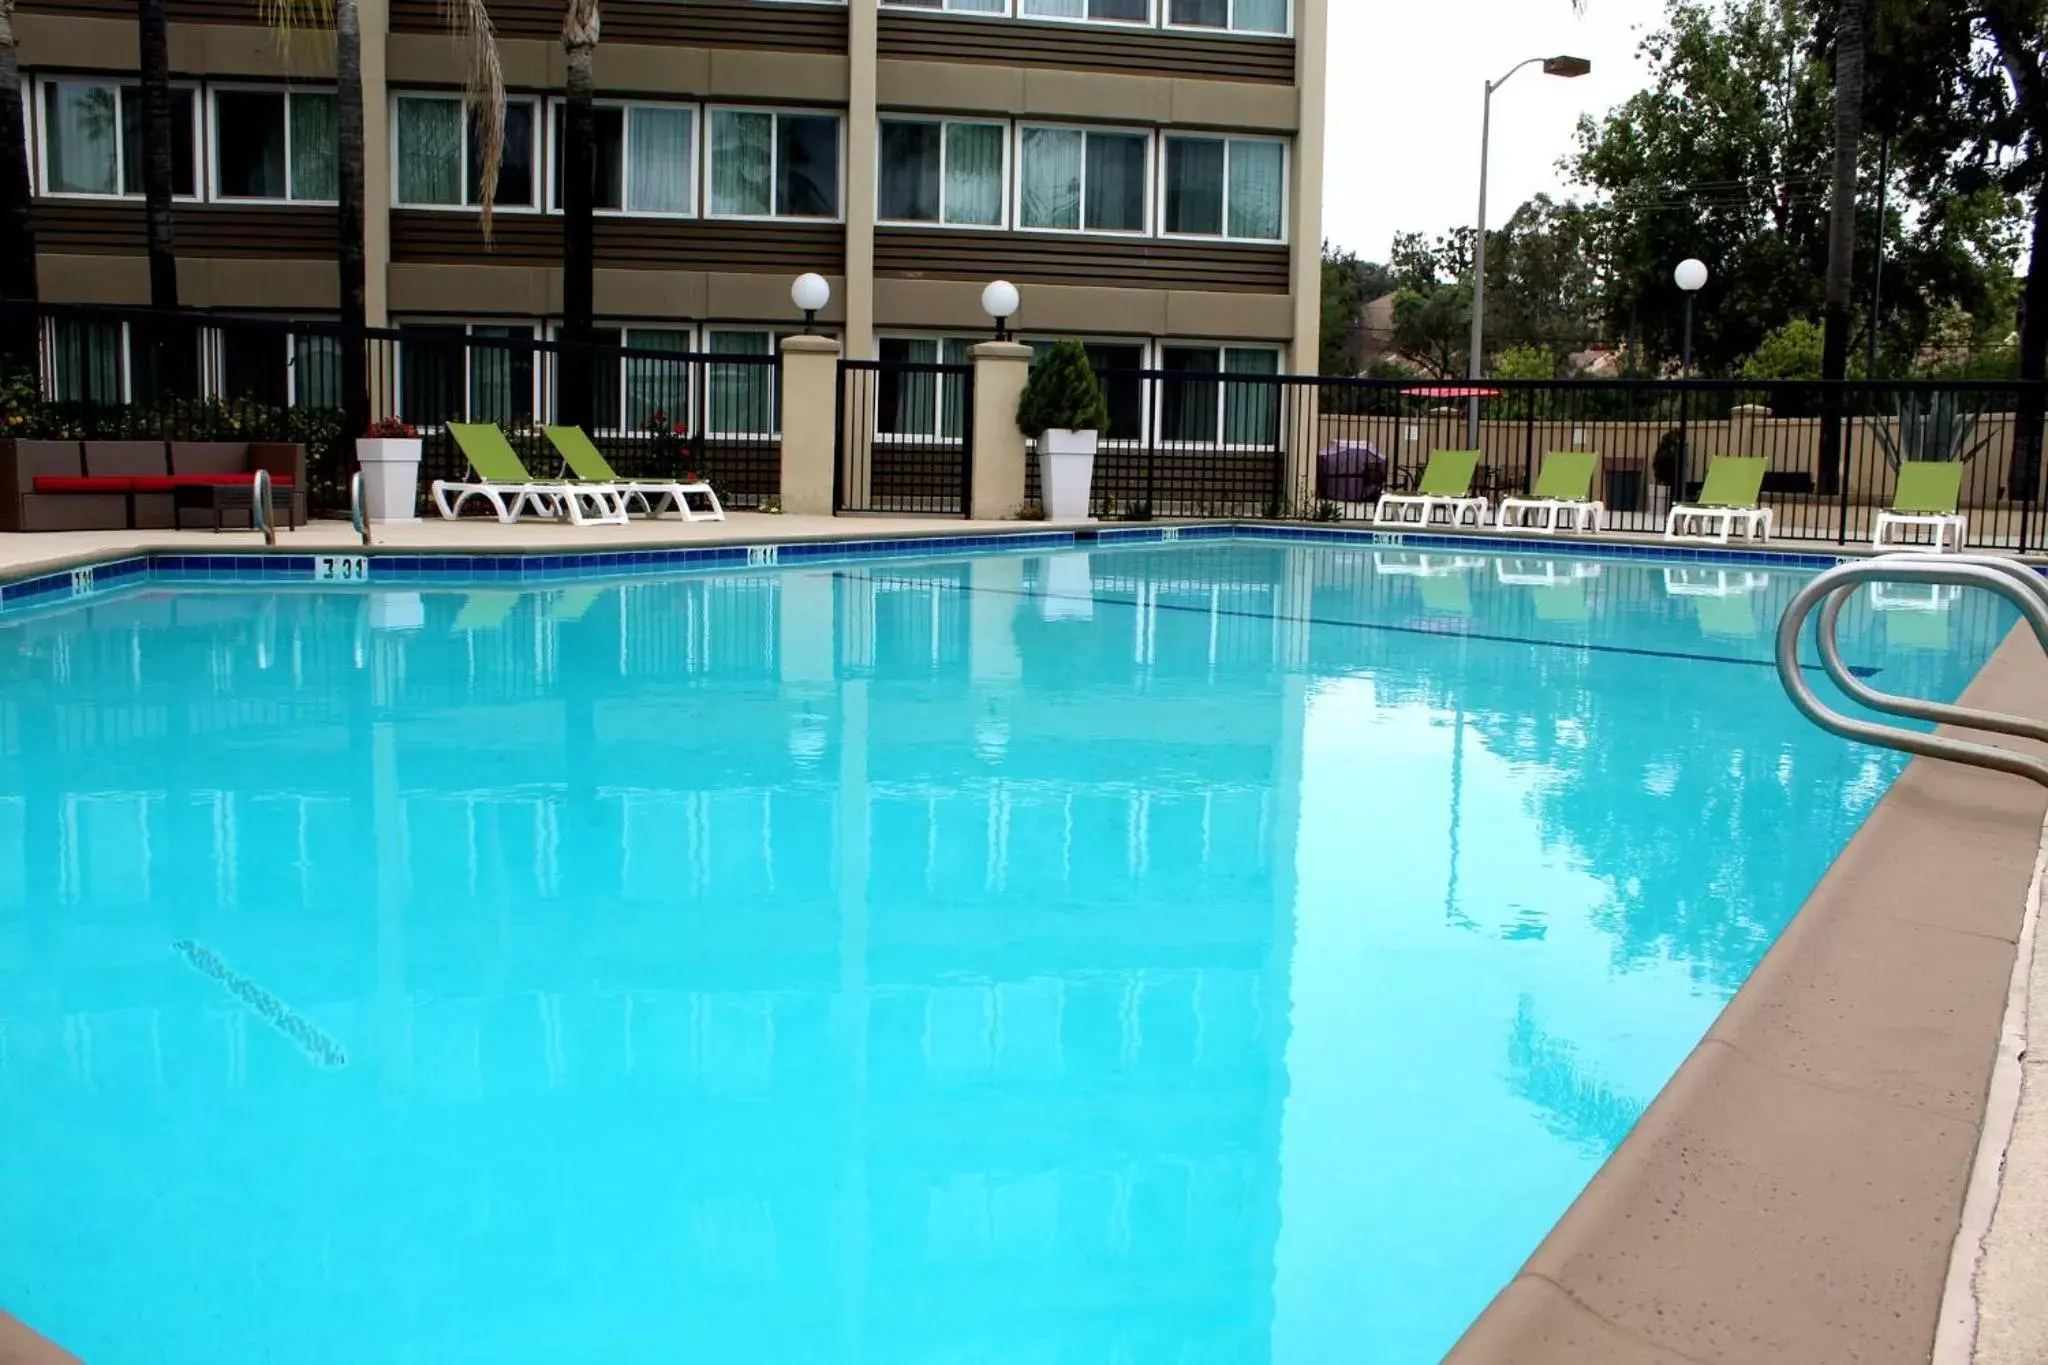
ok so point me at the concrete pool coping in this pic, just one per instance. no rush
(1795, 1192)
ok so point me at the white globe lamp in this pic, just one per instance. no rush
(1691, 275)
(1000, 301)
(810, 293)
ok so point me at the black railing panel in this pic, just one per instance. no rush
(905, 438)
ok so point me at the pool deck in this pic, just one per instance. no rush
(1795, 1193)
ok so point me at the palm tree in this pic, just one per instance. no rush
(579, 170)
(348, 148)
(1850, 31)
(17, 230)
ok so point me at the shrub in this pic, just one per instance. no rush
(1063, 394)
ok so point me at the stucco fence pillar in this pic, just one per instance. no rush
(1000, 369)
(811, 413)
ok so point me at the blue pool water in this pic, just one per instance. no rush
(1226, 954)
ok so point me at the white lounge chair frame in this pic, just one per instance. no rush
(1584, 518)
(1691, 523)
(666, 495)
(1941, 523)
(559, 501)
(1454, 509)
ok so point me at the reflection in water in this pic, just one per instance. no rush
(1122, 956)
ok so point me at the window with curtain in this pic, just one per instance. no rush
(316, 371)
(646, 157)
(774, 164)
(1201, 404)
(1241, 16)
(92, 139)
(439, 160)
(912, 404)
(1218, 187)
(86, 360)
(934, 172)
(431, 359)
(740, 399)
(1102, 11)
(1083, 179)
(657, 386)
(274, 144)
(500, 377)
(955, 6)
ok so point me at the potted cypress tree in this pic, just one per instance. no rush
(1063, 406)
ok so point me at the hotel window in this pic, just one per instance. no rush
(741, 399)
(92, 139)
(913, 405)
(1238, 16)
(88, 361)
(1100, 11)
(637, 393)
(942, 172)
(1225, 187)
(953, 6)
(277, 368)
(438, 161)
(1201, 405)
(774, 165)
(1071, 179)
(273, 144)
(444, 375)
(646, 158)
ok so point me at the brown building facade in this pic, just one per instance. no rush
(1148, 172)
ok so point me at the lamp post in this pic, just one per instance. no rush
(1568, 68)
(1000, 301)
(1690, 276)
(810, 293)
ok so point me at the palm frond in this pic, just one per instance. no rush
(579, 23)
(483, 94)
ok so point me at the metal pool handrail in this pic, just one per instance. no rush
(357, 514)
(260, 514)
(1831, 591)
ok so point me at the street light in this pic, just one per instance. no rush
(1690, 276)
(1000, 301)
(810, 293)
(1567, 68)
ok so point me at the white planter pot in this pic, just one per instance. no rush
(1069, 587)
(397, 611)
(391, 478)
(1066, 468)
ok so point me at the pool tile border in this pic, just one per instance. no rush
(380, 566)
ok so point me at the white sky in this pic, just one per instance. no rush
(1406, 82)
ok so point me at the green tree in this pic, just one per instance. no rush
(1794, 351)
(1524, 362)
(1432, 326)
(1349, 284)
(1544, 278)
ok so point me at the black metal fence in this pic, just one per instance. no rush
(1211, 444)
(106, 373)
(905, 438)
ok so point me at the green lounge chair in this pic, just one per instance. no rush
(1728, 499)
(486, 611)
(1927, 495)
(1563, 494)
(500, 479)
(589, 466)
(1446, 487)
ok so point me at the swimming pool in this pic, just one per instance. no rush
(1232, 952)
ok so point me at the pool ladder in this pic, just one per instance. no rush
(1830, 592)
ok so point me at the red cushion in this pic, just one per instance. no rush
(212, 481)
(153, 483)
(71, 483)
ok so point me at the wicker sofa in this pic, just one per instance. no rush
(115, 485)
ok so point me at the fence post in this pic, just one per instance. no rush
(997, 479)
(810, 423)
